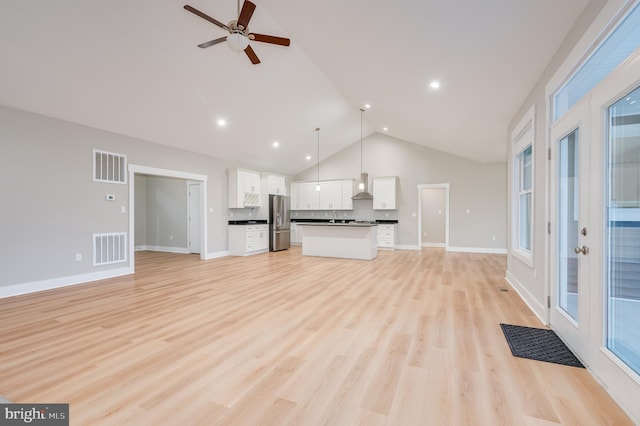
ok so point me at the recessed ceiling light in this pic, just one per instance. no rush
(435, 84)
(276, 144)
(367, 106)
(308, 157)
(385, 128)
(222, 122)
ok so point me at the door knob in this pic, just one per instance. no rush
(583, 250)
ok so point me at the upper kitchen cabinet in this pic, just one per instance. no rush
(308, 197)
(384, 193)
(331, 195)
(347, 193)
(276, 185)
(244, 188)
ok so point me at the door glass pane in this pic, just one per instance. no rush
(568, 205)
(623, 230)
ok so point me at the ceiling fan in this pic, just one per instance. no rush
(239, 35)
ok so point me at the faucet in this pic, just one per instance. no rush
(333, 217)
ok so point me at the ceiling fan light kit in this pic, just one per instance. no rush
(237, 41)
(239, 35)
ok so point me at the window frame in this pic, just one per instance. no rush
(522, 138)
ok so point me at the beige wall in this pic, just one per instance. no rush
(532, 280)
(161, 210)
(51, 206)
(477, 187)
(434, 214)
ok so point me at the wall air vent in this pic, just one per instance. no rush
(109, 248)
(109, 167)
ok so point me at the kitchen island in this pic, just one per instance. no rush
(353, 240)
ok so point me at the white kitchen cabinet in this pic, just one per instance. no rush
(295, 196)
(347, 193)
(276, 185)
(296, 233)
(386, 235)
(243, 188)
(384, 193)
(245, 240)
(308, 198)
(331, 195)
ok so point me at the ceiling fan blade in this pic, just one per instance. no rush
(206, 17)
(246, 13)
(212, 42)
(252, 55)
(281, 41)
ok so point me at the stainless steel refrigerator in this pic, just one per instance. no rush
(279, 226)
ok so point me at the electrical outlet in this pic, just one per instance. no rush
(78, 257)
(123, 209)
(230, 214)
(493, 238)
(170, 237)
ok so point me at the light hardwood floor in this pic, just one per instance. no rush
(407, 339)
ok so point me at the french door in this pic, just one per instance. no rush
(570, 232)
(595, 233)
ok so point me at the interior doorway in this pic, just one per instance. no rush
(433, 215)
(191, 178)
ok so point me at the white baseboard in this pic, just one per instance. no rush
(181, 250)
(216, 255)
(35, 286)
(432, 244)
(535, 306)
(478, 250)
(406, 247)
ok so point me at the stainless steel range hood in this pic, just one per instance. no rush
(364, 194)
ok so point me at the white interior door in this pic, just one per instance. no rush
(195, 219)
(570, 229)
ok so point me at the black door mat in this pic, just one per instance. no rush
(539, 344)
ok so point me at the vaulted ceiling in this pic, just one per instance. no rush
(133, 67)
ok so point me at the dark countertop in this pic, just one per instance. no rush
(248, 222)
(380, 221)
(339, 223)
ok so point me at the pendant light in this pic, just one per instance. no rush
(364, 177)
(318, 158)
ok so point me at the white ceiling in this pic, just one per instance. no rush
(132, 67)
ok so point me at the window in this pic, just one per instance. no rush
(522, 199)
(525, 193)
(617, 47)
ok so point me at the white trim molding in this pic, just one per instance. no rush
(50, 284)
(442, 245)
(135, 168)
(536, 307)
(488, 250)
(164, 249)
(216, 255)
(406, 247)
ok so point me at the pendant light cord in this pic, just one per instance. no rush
(318, 130)
(361, 114)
